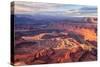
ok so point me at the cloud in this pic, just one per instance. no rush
(22, 7)
(34, 7)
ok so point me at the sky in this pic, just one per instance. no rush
(31, 8)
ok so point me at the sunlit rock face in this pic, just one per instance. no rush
(89, 34)
(73, 45)
(54, 50)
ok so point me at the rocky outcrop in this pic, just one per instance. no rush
(56, 50)
(90, 19)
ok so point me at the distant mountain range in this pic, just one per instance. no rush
(41, 19)
(46, 19)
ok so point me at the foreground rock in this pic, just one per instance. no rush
(56, 50)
